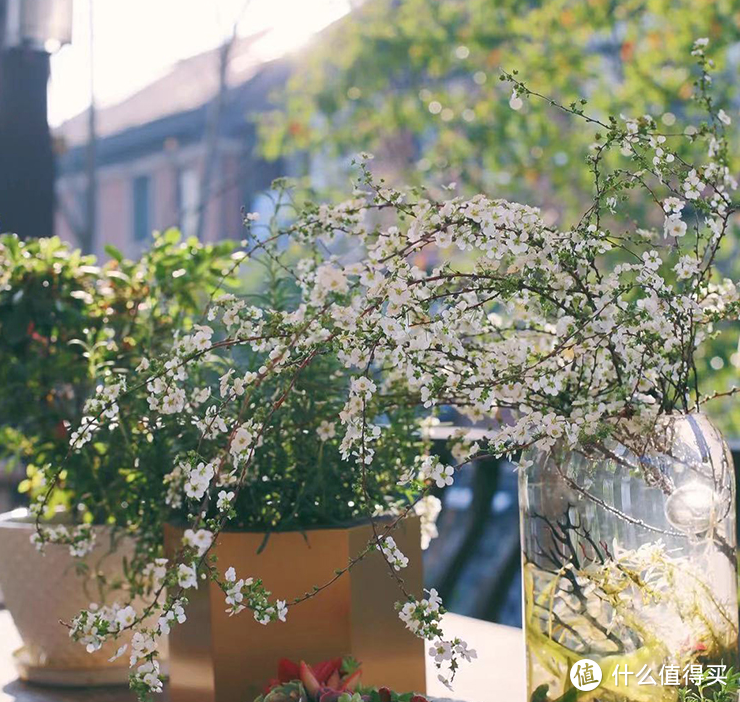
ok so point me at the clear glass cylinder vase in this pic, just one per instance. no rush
(629, 562)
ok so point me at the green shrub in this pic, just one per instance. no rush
(66, 323)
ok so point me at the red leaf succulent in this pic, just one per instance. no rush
(309, 680)
(287, 670)
(323, 682)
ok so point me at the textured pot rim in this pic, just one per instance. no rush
(19, 518)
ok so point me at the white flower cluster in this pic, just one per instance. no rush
(428, 509)
(440, 474)
(329, 279)
(225, 499)
(99, 411)
(428, 468)
(249, 593)
(674, 226)
(148, 677)
(175, 613)
(359, 431)
(174, 482)
(199, 540)
(445, 651)
(242, 442)
(199, 478)
(80, 539)
(212, 424)
(423, 618)
(94, 626)
(187, 575)
(239, 319)
(231, 387)
(167, 394)
(392, 553)
(154, 573)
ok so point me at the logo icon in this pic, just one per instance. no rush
(585, 675)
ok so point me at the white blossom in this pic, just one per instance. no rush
(326, 430)
(186, 576)
(200, 540)
(393, 554)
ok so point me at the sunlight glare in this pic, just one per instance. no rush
(137, 41)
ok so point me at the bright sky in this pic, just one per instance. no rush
(135, 41)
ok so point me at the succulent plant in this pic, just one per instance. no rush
(285, 692)
(336, 696)
(333, 680)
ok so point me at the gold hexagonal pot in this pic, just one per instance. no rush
(218, 658)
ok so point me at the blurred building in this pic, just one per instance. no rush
(153, 149)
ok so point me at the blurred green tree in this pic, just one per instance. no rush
(416, 83)
(65, 324)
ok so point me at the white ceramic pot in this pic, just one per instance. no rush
(42, 590)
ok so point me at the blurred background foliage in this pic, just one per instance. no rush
(417, 83)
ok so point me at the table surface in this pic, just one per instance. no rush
(498, 673)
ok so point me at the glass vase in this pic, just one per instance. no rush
(629, 562)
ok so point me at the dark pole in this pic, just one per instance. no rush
(26, 156)
(87, 239)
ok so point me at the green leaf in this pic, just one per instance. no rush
(172, 236)
(113, 252)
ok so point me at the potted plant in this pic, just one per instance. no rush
(301, 515)
(64, 323)
(582, 340)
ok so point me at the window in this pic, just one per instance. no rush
(142, 216)
(189, 190)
